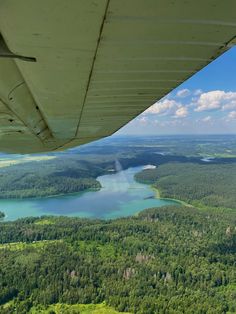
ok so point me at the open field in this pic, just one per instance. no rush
(19, 246)
(6, 162)
(76, 308)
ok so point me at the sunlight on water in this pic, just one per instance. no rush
(119, 196)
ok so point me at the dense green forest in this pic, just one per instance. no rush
(66, 174)
(219, 146)
(165, 260)
(76, 170)
(46, 178)
(199, 184)
(148, 176)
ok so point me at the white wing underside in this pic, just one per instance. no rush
(75, 71)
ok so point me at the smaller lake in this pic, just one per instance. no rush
(119, 196)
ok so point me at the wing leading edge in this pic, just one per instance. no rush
(98, 64)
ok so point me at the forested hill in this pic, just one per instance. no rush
(68, 173)
(76, 170)
(199, 184)
(47, 178)
(165, 260)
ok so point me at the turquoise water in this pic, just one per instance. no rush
(120, 196)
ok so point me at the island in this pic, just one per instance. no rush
(2, 215)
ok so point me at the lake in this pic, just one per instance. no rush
(119, 196)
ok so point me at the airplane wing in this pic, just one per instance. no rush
(73, 71)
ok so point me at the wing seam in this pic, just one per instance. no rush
(93, 63)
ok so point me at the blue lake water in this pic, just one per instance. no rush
(119, 196)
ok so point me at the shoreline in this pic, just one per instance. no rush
(50, 196)
(158, 196)
(69, 194)
(157, 193)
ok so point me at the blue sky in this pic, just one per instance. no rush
(204, 104)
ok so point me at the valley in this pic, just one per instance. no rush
(135, 225)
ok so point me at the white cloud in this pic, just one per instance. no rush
(206, 119)
(181, 112)
(160, 123)
(229, 106)
(142, 120)
(232, 115)
(183, 93)
(217, 99)
(197, 92)
(168, 107)
(163, 107)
